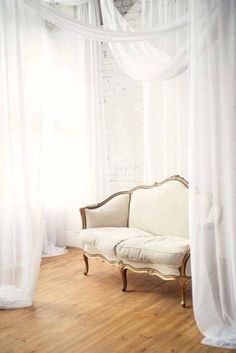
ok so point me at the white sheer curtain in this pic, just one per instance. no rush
(103, 34)
(145, 60)
(74, 159)
(212, 159)
(21, 223)
(211, 154)
(161, 64)
(165, 128)
(166, 101)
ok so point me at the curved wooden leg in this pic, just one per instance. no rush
(86, 265)
(123, 272)
(183, 287)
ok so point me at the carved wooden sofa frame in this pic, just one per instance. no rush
(182, 278)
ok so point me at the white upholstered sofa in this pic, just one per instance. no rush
(142, 230)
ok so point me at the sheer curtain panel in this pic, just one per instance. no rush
(161, 64)
(21, 226)
(74, 162)
(212, 158)
(72, 166)
(144, 60)
(165, 99)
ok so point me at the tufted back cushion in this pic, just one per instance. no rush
(161, 210)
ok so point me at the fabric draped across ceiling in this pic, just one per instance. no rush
(155, 53)
(179, 49)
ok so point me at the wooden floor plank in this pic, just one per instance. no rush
(77, 314)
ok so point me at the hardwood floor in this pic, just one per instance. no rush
(77, 314)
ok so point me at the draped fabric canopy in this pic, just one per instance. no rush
(145, 61)
(98, 33)
(201, 38)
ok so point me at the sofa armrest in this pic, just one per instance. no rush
(112, 212)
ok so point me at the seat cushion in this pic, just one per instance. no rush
(166, 250)
(106, 239)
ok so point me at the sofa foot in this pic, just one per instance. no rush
(123, 272)
(86, 265)
(183, 286)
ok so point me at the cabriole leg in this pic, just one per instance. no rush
(183, 287)
(86, 265)
(123, 272)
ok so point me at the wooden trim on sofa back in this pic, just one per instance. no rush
(156, 184)
(92, 207)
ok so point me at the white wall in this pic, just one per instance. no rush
(123, 105)
(124, 115)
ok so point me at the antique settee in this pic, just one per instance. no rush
(142, 230)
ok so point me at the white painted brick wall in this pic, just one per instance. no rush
(124, 116)
(124, 107)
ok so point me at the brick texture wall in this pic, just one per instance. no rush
(123, 114)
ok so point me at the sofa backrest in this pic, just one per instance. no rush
(161, 209)
(112, 214)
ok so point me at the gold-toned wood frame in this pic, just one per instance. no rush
(183, 278)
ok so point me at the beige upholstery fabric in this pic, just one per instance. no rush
(164, 269)
(114, 213)
(161, 210)
(166, 250)
(150, 234)
(106, 239)
(134, 244)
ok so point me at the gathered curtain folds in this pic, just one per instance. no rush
(74, 170)
(161, 64)
(212, 152)
(93, 32)
(21, 226)
(144, 60)
(52, 164)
